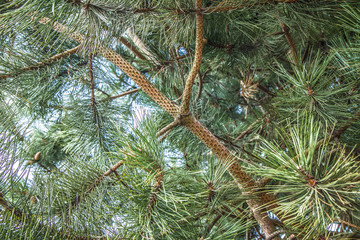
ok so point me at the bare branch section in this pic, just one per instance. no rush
(175, 123)
(78, 199)
(125, 93)
(293, 51)
(7, 207)
(247, 131)
(132, 48)
(92, 87)
(141, 45)
(220, 151)
(197, 61)
(43, 63)
(349, 224)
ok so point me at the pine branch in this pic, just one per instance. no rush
(156, 190)
(224, 6)
(132, 48)
(185, 105)
(137, 41)
(212, 224)
(175, 123)
(7, 207)
(79, 198)
(219, 150)
(294, 52)
(229, 5)
(275, 234)
(92, 86)
(338, 132)
(248, 130)
(42, 64)
(125, 93)
(22, 217)
(349, 224)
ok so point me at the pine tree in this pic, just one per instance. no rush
(169, 119)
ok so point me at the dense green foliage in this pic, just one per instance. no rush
(278, 86)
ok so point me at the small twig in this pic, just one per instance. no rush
(113, 168)
(43, 63)
(275, 234)
(260, 235)
(164, 136)
(212, 224)
(7, 207)
(265, 90)
(247, 131)
(140, 44)
(156, 190)
(211, 194)
(92, 87)
(349, 224)
(294, 52)
(78, 199)
(41, 165)
(124, 94)
(175, 123)
(121, 181)
(132, 48)
(306, 53)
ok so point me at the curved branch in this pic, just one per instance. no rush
(220, 151)
(197, 60)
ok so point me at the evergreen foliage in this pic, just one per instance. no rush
(269, 148)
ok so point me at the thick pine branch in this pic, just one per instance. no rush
(220, 151)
